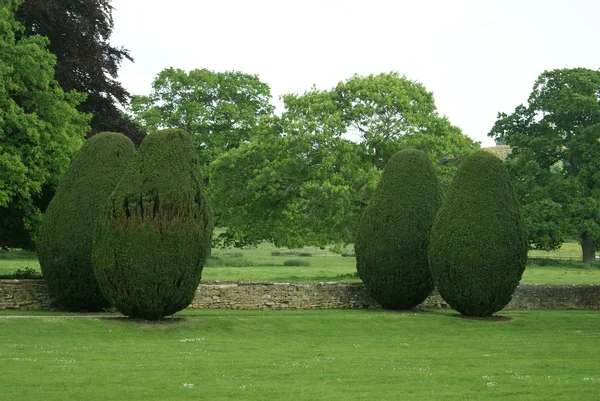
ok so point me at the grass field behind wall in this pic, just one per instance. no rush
(266, 263)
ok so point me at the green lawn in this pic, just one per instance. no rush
(266, 263)
(303, 355)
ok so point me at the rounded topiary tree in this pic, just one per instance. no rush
(478, 247)
(393, 235)
(65, 242)
(150, 249)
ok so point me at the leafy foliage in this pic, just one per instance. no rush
(478, 246)
(40, 127)
(150, 249)
(290, 189)
(79, 33)
(219, 109)
(393, 236)
(555, 160)
(26, 273)
(65, 243)
(303, 180)
(385, 113)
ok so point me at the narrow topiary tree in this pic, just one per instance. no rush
(478, 245)
(393, 235)
(65, 242)
(150, 249)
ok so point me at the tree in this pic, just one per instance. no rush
(302, 180)
(392, 243)
(478, 245)
(40, 127)
(291, 190)
(65, 242)
(385, 113)
(149, 250)
(555, 160)
(79, 32)
(219, 109)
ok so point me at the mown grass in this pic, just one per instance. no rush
(267, 263)
(303, 355)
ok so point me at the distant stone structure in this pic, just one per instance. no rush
(33, 295)
(500, 151)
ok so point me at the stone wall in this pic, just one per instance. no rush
(33, 294)
(24, 294)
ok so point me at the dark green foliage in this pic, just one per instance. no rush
(393, 236)
(150, 250)
(65, 242)
(79, 33)
(26, 273)
(478, 242)
(217, 262)
(296, 262)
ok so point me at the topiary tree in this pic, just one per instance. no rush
(478, 244)
(65, 243)
(150, 249)
(393, 235)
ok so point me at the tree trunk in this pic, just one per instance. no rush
(589, 248)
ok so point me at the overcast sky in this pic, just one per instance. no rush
(477, 57)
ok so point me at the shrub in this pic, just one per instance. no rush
(393, 235)
(291, 253)
(234, 254)
(296, 262)
(156, 237)
(478, 245)
(229, 263)
(337, 249)
(65, 242)
(22, 274)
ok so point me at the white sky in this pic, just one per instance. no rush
(477, 57)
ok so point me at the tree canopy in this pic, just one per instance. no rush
(555, 160)
(219, 109)
(305, 177)
(79, 32)
(40, 127)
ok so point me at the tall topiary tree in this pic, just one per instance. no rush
(478, 244)
(393, 235)
(65, 242)
(150, 249)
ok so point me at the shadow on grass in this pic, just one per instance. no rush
(493, 318)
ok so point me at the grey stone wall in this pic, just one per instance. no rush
(24, 294)
(33, 294)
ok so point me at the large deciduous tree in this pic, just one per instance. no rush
(384, 113)
(79, 32)
(305, 177)
(290, 188)
(40, 127)
(219, 109)
(555, 140)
